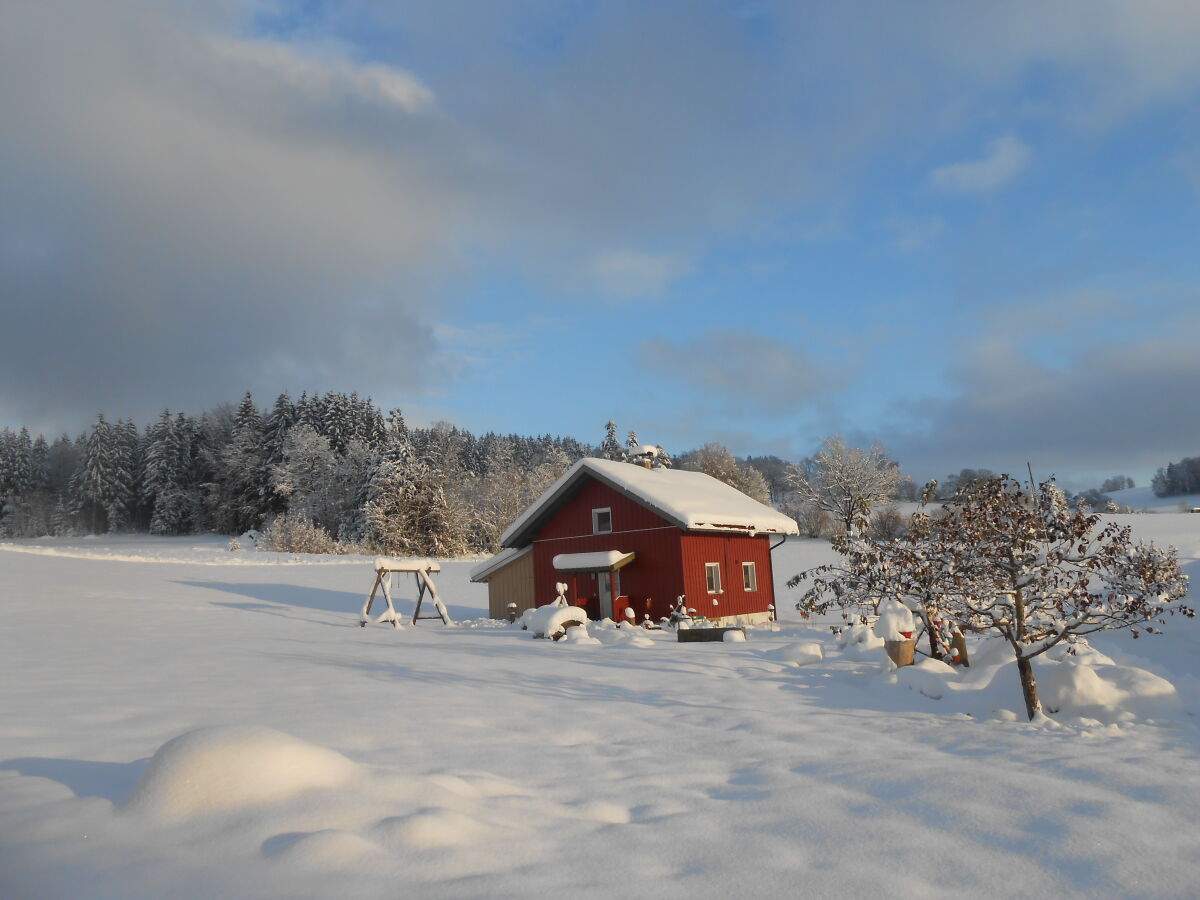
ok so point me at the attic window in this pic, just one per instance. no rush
(602, 521)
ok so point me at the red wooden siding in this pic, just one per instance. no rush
(730, 551)
(574, 518)
(651, 582)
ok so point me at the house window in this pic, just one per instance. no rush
(601, 521)
(749, 577)
(712, 573)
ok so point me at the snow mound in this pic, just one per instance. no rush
(734, 637)
(580, 635)
(331, 849)
(930, 677)
(859, 640)
(1102, 692)
(430, 828)
(231, 768)
(802, 653)
(619, 636)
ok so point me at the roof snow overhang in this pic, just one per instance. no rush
(490, 567)
(691, 501)
(602, 561)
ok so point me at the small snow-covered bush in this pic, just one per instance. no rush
(813, 521)
(887, 524)
(291, 533)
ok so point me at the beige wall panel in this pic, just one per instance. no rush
(512, 584)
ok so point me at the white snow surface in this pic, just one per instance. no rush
(181, 721)
(691, 500)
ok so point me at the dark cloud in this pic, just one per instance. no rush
(1128, 407)
(188, 215)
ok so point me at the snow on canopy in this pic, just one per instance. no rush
(600, 561)
(690, 500)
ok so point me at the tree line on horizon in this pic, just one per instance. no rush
(324, 473)
(331, 473)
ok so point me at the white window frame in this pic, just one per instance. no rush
(710, 569)
(749, 585)
(596, 520)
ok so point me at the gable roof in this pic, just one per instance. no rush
(691, 500)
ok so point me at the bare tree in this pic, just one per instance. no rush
(847, 482)
(715, 460)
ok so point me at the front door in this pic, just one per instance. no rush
(606, 595)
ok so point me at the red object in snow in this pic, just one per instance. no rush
(907, 635)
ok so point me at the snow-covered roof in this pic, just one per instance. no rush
(691, 500)
(489, 567)
(600, 561)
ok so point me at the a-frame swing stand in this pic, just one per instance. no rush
(422, 570)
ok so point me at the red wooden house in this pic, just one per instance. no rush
(622, 536)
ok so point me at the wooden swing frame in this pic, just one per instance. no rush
(422, 570)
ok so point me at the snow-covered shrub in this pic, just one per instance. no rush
(294, 533)
(887, 524)
(814, 522)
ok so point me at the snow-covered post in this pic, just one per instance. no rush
(896, 627)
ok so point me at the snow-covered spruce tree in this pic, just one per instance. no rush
(160, 470)
(847, 482)
(318, 483)
(610, 447)
(1021, 565)
(235, 462)
(102, 485)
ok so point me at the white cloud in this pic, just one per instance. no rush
(628, 275)
(752, 373)
(322, 75)
(1005, 159)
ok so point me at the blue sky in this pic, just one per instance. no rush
(968, 231)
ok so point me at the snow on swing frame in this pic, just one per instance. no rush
(422, 571)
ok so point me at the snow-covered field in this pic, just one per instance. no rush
(473, 761)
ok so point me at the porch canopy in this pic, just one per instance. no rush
(600, 561)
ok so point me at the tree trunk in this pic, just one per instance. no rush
(935, 650)
(1029, 687)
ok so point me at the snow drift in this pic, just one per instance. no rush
(231, 768)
